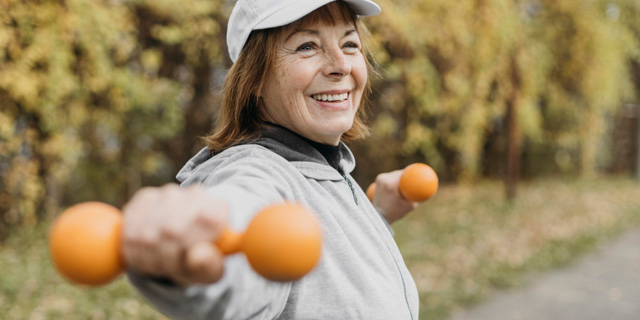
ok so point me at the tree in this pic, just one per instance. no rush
(89, 90)
(454, 69)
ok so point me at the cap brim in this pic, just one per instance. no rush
(299, 9)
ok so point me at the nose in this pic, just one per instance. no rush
(337, 64)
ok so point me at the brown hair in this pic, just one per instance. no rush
(240, 115)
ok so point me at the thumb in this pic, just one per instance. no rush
(204, 263)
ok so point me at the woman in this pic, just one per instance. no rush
(295, 91)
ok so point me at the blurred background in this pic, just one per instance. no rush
(528, 110)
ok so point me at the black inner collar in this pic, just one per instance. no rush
(330, 153)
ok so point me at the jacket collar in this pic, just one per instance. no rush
(301, 153)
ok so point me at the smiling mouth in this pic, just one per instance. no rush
(331, 97)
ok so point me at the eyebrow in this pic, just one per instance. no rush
(315, 32)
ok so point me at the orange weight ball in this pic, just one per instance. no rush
(283, 242)
(418, 182)
(371, 190)
(85, 243)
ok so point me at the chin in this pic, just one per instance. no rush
(335, 126)
(335, 132)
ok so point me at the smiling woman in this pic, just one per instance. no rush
(243, 108)
(318, 78)
(295, 93)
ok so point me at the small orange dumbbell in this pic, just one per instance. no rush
(418, 183)
(282, 243)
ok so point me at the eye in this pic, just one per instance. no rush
(351, 44)
(351, 47)
(307, 46)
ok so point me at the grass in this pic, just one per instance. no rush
(31, 289)
(460, 246)
(467, 241)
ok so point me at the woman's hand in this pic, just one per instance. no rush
(170, 232)
(388, 200)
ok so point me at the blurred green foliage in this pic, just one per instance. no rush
(99, 98)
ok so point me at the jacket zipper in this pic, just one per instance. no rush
(353, 191)
(404, 285)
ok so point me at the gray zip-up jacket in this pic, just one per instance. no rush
(361, 274)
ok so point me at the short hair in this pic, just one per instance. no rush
(240, 116)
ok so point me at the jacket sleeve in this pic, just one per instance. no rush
(247, 185)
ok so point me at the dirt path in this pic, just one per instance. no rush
(604, 285)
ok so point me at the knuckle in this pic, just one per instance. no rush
(382, 181)
(169, 187)
(128, 253)
(195, 187)
(128, 238)
(383, 178)
(210, 219)
(147, 238)
(172, 231)
(146, 193)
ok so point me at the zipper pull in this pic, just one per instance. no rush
(353, 191)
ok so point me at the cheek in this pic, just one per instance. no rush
(294, 82)
(299, 75)
(290, 107)
(360, 73)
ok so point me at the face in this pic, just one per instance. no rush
(317, 81)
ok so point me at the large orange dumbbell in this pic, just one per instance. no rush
(282, 243)
(418, 183)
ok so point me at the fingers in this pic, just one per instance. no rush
(388, 200)
(169, 231)
(139, 233)
(387, 184)
(173, 255)
(204, 263)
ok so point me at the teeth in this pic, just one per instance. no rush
(331, 97)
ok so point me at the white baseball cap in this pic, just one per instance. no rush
(249, 15)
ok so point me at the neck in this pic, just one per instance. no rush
(313, 141)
